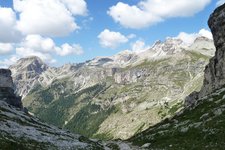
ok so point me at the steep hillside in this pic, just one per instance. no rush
(21, 131)
(201, 124)
(118, 96)
(201, 127)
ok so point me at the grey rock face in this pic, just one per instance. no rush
(214, 77)
(6, 89)
(26, 72)
(5, 78)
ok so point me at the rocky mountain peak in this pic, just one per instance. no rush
(161, 49)
(30, 69)
(33, 64)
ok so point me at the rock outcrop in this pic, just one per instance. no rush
(26, 72)
(214, 76)
(7, 90)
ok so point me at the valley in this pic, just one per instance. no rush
(118, 96)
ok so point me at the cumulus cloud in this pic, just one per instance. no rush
(5, 48)
(220, 2)
(38, 17)
(67, 49)
(189, 38)
(8, 61)
(35, 45)
(7, 26)
(111, 39)
(76, 7)
(25, 52)
(38, 43)
(205, 33)
(149, 12)
(43, 47)
(27, 27)
(139, 46)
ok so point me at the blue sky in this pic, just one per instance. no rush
(71, 31)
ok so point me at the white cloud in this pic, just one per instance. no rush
(139, 46)
(149, 12)
(36, 45)
(5, 48)
(76, 7)
(131, 36)
(7, 26)
(5, 63)
(25, 52)
(205, 33)
(67, 49)
(48, 17)
(189, 38)
(220, 2)
(111, 39)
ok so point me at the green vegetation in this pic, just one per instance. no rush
(145, 88)
(175, 108)
(88, 120)
(196, 55)
(201, 127)
(58, 111)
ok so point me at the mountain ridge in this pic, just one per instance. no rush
(108, 89)
(121, 60)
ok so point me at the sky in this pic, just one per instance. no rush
(73, 31)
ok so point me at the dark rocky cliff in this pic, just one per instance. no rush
(214, 77)
(7, 90)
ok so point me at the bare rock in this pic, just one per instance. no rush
(214, 74)
(7, 91)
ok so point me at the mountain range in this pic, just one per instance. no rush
(197, 124)
(118, 96)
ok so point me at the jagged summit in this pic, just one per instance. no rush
(29, 70)
(31, 64)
